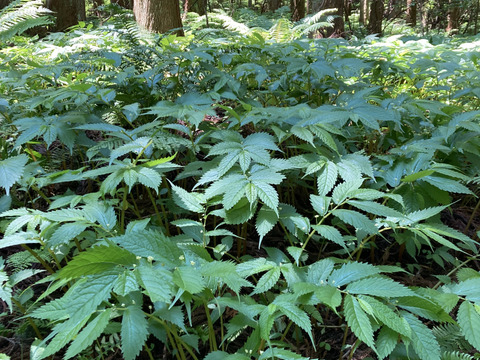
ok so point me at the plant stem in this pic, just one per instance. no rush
(30, 320)
(39, 258)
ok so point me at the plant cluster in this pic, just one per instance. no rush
(238, 197)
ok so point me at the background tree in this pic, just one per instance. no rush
(127, 4)
(297, 7)
(158, 15)
(67, 13)
(338, 23)
(411, 13)
(376, 17)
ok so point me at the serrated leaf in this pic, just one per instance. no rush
(358, 320)
(297, 315)
(267, 281)
(356, 219)
(387, 340)
(424, 342)
(96, 260)
(350, 272)
(255, 266)
(341, 191)
(424, 308)
(11, 170)
(152, 243)
(88, 335)
(423, 214)
(388, 317)
(319, 271)
(65, 233)
(156, 282)
(268, 195)
(447, 184)
(266, 220)
(189, 279)
(149, 178)
(469, 320)
(320, 204)
(375, 208)
(379, 286)
(327, 178)
(186, 200)
(330, 233)
(134, 331)
(418, 175)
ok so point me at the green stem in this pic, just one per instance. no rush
(32, 324)
(471, 217)
(157, 213)
(39, 258)
(124, 207)
(450, 273)
(211, 330)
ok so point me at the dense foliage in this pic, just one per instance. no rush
(231, 196)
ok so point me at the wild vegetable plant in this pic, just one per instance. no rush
(185, 200)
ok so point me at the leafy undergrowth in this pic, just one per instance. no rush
(230, 196)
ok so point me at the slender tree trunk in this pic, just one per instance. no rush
(127, 4)
(297, 7)
(364, 10)
(376, 17)
(67, 12)
(453, 16)
(411, 15)
(158, 15)
(198, 6)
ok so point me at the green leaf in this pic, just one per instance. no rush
(266, 220)
(356, 219)
(151, 243)
(350, 272)
(469, 320)
(330, 233)
(327, 178)
(267, 281)
(96, 260)
(134, 331)
(189, 279)
(156, 282)
(447, 184)
(424, 308)
(88, 335)
(379, 286)
(358, 320)
(418, 175)
(149, 178)
(297, 315)
(424, 342)
(186, 200)
(388, 317)
(386, 342)
(319, 271)
(375, 208)
(268, 195)
(11, 170)
(65, 233)
(320, 204)
(420, 215)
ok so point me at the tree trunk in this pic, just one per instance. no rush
(338, 23)
(297, 7)
(127, 4)
(4, 3)
(453, 16)
(411, 15)
(68, 13)
(198, 6)
(376, 17)
(158, 15)
(364, 9)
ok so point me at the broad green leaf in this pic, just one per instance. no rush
(447, 184)
(186, 200)
(418, 175)
(379, 286)
(11, 170)
(423, 214)
(424, 342)
(350, 272)
(424, 308)
(469, 320)
(255, 266)
(469, 288)
(96, 260)
(342, 190)
(149, 178)
(134, 331)
(126, 283)
(66, 232)
(189, 279)
(280, 353)
(268, 195)
(156, 282)
(327, 178)
(375, 208)
(297, 315)
(319, 271)
(151, 243)
(266, 220)
(357, 220)
(320, 204)
(330, 233)
(387, 316)
(387, 340)
(267, 281)
(88, 335)
(358, 320)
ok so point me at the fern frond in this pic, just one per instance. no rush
(315, 22)
(450, 338)
(456, 355)
(281, 30)
(21, 15)
(230, 24)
